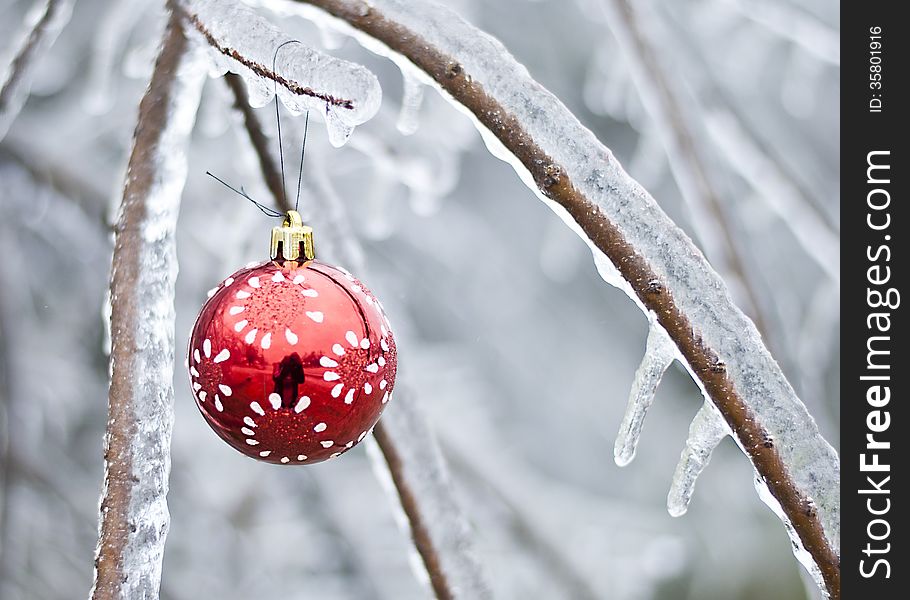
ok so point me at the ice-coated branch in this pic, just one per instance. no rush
(654, 262)
(134, 515)
(17, 79)
(344, 93)
(659, 355)
(406, 455)
(662, 102)
(705, 432)
(409, 458)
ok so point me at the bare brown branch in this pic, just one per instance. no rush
(552, 181)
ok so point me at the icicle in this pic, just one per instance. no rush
(697, 290)
(411, 100)
(708, 428)
(339, 131)
(659, 353)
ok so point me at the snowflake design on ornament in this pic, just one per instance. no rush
(350, 367)
(353, 368)
(276, 430)
(263, 307)
(205, 370)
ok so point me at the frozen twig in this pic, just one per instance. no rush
(344, 93)
(134, 515)
(17, 79)
(409, 453)
(655, 263)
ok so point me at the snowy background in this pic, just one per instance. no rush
(518, 353)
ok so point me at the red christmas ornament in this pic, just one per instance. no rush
(292, 361)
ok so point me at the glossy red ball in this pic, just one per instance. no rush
(292, 363)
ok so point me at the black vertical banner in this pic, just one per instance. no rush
(874, 432)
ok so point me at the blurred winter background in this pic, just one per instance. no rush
(518, 352)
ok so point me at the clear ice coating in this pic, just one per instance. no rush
(411, 99)
(424, 473)
(697, 290)
(343, 93)
(151, 368)
(706, 431)
(660, 353)
(801, 554)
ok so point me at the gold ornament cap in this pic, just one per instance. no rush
(292, 239)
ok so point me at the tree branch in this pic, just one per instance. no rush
(134, 516)
(14, 90)
(452, 570)
(660, 268)
(265, 72)
(343, 93)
